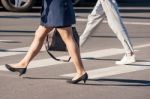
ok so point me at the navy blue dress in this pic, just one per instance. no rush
(57, 13)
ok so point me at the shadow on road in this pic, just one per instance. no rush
(120, 82)
(17, 31)
(20, 16)
(116, 37)
(135, 10)
(123, 10)
(103, 81)
(135, 17)
(4, 50)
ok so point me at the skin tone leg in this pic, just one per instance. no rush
(73, 49)
(35, 47)
(66, 34)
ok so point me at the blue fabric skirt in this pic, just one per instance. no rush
(57, 13)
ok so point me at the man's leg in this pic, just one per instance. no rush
(94, 19)
(114, 20)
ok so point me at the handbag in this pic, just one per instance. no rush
(54, 42)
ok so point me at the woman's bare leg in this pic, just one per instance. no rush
(35, 47)
(66, 34)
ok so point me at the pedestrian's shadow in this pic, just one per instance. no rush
(45, 78)
(108, 81)
(117, 82)
(102, 82)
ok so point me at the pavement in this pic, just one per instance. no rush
(46, 78)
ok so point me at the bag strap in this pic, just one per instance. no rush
(47, 46)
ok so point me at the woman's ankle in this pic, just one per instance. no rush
(81, 72)
(22, 64)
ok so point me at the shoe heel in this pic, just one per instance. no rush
(85, 78)
(84, 81)
(22, 71)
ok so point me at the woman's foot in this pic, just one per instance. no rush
(16, 68)
(79, 78)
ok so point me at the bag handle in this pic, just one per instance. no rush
(47, 46)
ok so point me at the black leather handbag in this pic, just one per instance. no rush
(54, 42)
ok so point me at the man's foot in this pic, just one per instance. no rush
(127, 59)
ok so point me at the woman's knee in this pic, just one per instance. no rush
(41, 33)
(66, 33)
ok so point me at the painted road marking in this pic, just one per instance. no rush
(23, 50)
(93, 54)
(125, 22)
(50, 61)
(7, 41)
(114, 70)
(16, 51)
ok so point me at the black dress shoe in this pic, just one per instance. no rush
(83, 77)
(20, 70)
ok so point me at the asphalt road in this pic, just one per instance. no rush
(46, 78)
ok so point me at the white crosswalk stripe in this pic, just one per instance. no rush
(101, 72)
(128, 23)
(6, 41)
(114, 70)
(16, 51)
(50, 61)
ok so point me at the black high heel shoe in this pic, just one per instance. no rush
(83, 77)
(20, 70)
